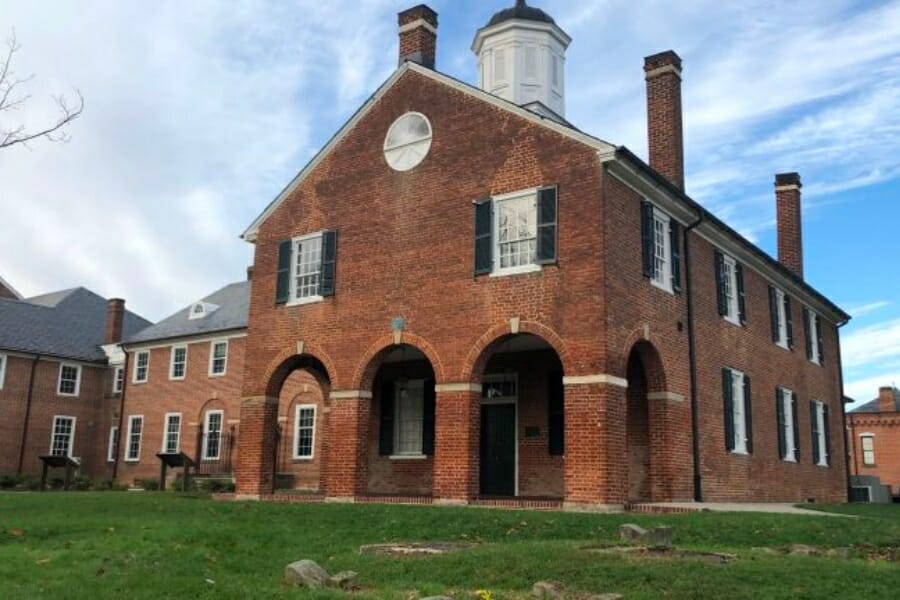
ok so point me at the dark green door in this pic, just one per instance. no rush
(498, 449)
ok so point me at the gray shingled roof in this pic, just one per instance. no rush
(65, 324)
(872, 405)
(234, 305)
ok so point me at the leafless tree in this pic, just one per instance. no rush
(12, 98)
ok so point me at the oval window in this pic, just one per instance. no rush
(407, 142)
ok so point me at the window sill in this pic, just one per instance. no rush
(132, 460)
(825, 465)
(732, 320)
(789, 460)
(303, 459)
(67, 395)
(784, 346)
(408, 457)
(666, 288)
(222, 374)
(176, 378)
(533, 268)
(139, 382)
(739, 452)
(302, 301)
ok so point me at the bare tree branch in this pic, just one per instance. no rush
(10, 101)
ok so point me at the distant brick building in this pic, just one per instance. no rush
(494, 303)
(60, 378)
(874, 433)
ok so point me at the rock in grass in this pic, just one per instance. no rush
(343, 580)
(306, 573)
(658, 537)
(549, 590)
(606, 597)
(629, 532)
(804, 550)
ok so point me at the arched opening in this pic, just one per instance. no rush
(522, 431)
(400, 444)
(302, 386)
(645, 375)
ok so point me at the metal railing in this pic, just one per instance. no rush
(215, 453)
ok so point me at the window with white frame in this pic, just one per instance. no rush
(212, 435)
(118, 383)
(516, 227)
(172, 434)
(218, 357)
(409, 408)
(820, 432)
(781, 316)
(306, 268)
(2, 370)
(812, 338)
(867, 441)
(787, 425)
(178, 366)
(69, 382)
(141, 366)
(63, 437)
(304, 431)
(730, 289)
(135, 431)
(662, 250)
(112, 443)
(738, 430)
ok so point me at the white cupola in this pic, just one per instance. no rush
(522, 57)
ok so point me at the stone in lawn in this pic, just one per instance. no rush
(804, 550)
(629, 532)
(658, 537)
(344, 580)
(550, 590)
(306, 573)
(609, 596)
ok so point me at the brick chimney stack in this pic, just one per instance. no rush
(790, 226)
(418, 35)
(115, 316)
(886, 401)
(664, 130)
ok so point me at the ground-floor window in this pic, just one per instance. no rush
(113, 442)
(818, 416)
(787, 424)
(135, 431)
(304, 430)
(212, 435)
(738, 419)
(63, 437)
(172, 433)
(409, 410)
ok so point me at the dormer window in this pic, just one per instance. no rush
(201, 309)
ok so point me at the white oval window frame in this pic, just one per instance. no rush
(412, 153)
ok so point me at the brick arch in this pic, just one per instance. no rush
(652, 363)
(313, 358)
(481, 351)
(364, 376)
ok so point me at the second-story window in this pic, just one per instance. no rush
(730, 289)
(867, 441)
(660, 235)
(782, 322)
(141, 366)
(118, 380)
(306, 268)
(218, 358)
(812, 327)
(69, 380)
(178, 368)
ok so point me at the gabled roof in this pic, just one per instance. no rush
(872, 405)
(564, 129)
(233, 302)
(66, 324)
(6, 290)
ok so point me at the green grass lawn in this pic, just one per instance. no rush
(116, 545)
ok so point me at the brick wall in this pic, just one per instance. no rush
(885, 429)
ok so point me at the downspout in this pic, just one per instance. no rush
(692, 360)
(840, 366)
(28, 400)
(118, 455)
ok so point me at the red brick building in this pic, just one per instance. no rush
(874, 433)
(60, 378)
(487, 301)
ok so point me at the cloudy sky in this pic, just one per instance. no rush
(198, 113)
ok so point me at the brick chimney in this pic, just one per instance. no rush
(418, 35)
(664, 131)
(790, 226)
(115, 315)
(886, 401)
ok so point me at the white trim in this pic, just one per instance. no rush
(407, 457)
(733, 315)
(350, 395)
(514, 400)
(293, 300)
(312, 447)
(496, 201)
(787, 406)
(172, 376)
(197, 339)
(416, 24)
(814, 335)
(663, 281)
(165, 435)
(134, 375)
(118, 370)
(787, 188)
(251, 232)
(669, 396)
(601, 378)
(71, 434)
(738, 409)
(423, 143)
(131, 420)
(3, 360)
(662, 70)
(59, 379)
(212, 358)
(457, 387)
(112, 442)
(782, 316)
(204, 448)
(824, 429)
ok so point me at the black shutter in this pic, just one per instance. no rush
(796, 418)
(428, 410)
(748, 414)
(742, 301)
(647, 235)
(484, 243)
(329, 260)
(821, 346)
(721, 299)
(827, 433)
(675, 245)
(546, 226)
(728, 396)
(283, 285)
(386, 419)
(556, 427)
(789, 321)
(806, 333)
(814, 426)
(779, 411)
(773, 314)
